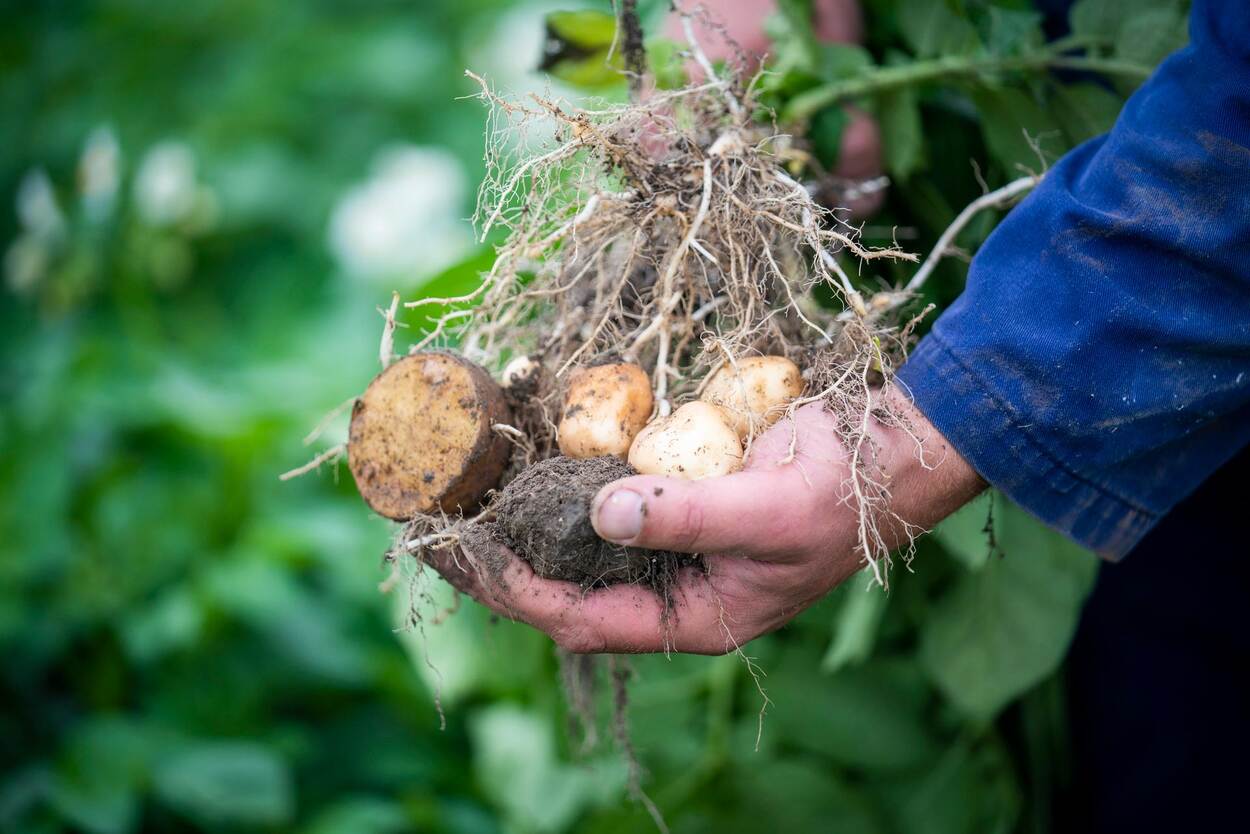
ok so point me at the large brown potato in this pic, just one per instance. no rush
(421, 440)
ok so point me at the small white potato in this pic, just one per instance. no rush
(696, 441)
(520, 371)
(605, 407)
(756, 392)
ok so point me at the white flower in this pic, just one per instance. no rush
(165, 189)
(99, 173)
(37, 209)
(25, 263)
(405, 218)
(508, 57)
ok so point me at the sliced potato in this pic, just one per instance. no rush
(605, 407)
(421, 440)
(696, 441)
(755, 392)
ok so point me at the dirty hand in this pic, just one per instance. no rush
(776, 537)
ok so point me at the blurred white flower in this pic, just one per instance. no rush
(99, 173)
(509, 56)
(405, 218)
(165, 189)
(25, 263)
(37, 209)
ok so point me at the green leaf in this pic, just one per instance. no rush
(839, 61)
(227, 783)
(467, 653)
(1011, 118)
(791, 793)
(171, 621)
(963, 534)
(578, 49)
(870, 717)
(901, 133)
(1149, 37)
(362, 815)
(1002, 629)
(100, 772)
(1012, 32)
(792, 33)
(969, 790)
(1103, 20)
(583, 30)
(1099, 19)
(855, 625)
(516, 763)
(1085, 110)
(931, 29)
(825, 133)
(667, 64)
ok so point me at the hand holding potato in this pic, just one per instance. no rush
(775, 538)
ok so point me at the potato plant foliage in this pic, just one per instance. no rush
(191, 646)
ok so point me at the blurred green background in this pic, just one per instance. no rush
(204, 204)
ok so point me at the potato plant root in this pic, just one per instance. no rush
(671, 234)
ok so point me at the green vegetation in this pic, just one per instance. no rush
(209, 200)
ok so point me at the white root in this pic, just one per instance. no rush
(994, 199)
(332, 454)
(386, 350)
(668, 234)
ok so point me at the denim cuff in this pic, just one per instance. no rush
(993, 435)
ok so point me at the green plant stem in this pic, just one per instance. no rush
(882, 79)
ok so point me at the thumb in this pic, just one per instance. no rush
(757, 514)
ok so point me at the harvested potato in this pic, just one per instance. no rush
(605, 407)
(420, 439)
(521, 372)
(756, 392)
(696, 441)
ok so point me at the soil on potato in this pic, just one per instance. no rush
(543, 516)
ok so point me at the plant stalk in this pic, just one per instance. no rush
(883, 79)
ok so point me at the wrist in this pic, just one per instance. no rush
(927, 478)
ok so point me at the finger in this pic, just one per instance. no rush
(697, 617)
(726, 31)
(752, 514)
(705, 614)
(837, 21)
(782, 505)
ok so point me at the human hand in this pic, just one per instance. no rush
(776, 537)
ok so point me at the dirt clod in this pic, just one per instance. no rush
(544, 517)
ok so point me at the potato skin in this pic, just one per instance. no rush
(696, 441)
(756, 392)
(521, 371)
(604, 408)
(420, 439)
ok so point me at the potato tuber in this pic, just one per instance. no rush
(755, 392)
(696, 441)
(520, 372)
(605, 407)
(421, 440)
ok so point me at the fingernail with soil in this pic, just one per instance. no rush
(619, 518)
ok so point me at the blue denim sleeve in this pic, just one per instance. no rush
(1097, 366)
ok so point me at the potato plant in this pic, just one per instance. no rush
(672, 276)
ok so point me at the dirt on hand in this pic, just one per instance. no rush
(543, 516)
